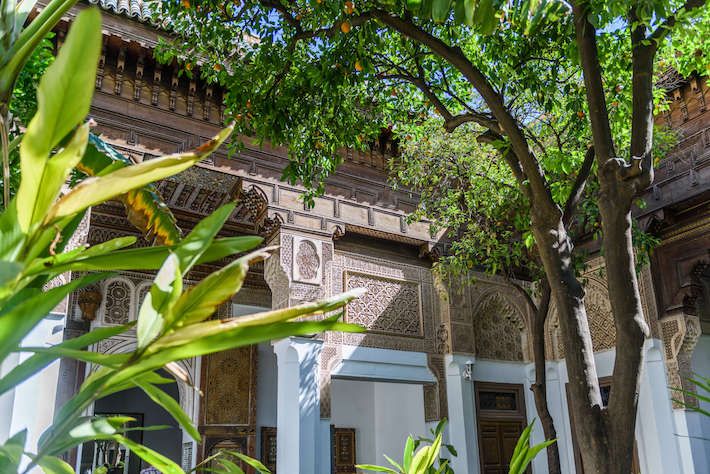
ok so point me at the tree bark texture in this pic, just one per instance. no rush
(539, 389)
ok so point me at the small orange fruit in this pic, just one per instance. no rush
(217, 67)
(186, 3)
(358, 66)
(349, 7)
(615, 103)
(345, 27)
(580, 114)
(188, 66)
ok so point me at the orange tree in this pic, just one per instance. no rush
(563, 91)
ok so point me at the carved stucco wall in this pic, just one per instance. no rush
(600, 317)
(400, 309)
(489, 318)
(499, 329)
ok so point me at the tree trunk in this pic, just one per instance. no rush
(539, 389)
(631, 327)
(585, 398)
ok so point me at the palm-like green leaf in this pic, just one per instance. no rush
(145, 208)
(63, 100)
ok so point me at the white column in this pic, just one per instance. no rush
(298, 405)
(462, 415)
(655, 428)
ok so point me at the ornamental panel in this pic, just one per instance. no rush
(498, 330)
(389, 306)
(118, 302)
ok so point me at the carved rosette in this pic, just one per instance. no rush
(680, 333)
(299, 271)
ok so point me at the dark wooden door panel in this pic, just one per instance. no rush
(343, 450)
(501, 420)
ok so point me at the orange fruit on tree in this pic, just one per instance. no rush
(186, 3)
(345, 27)
(349, 7)
(358, 66)
(580, 114)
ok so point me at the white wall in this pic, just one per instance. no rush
(399, 413)
(698, 424)
(353, 406)
(382, 413)
(32, 405)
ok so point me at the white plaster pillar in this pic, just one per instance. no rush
(462, 415)
(298, 405)
(655, 428)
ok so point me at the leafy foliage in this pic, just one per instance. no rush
(701, 394)
(172, 324)
(523, 454)
(421, 456)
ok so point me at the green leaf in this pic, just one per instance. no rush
(37, 362)
(63, 100)
(484, 16)
(408, 452)
(171, 406)
(150, 258)
(107, 360)
(196, 242)
(372, 467)
(230, 338)
(17, 322)
(201, 301)
(146, 210)
(11, 452)
(196, 332)
(440, 10)
(155, 459)
(251, 462)
(96, 190)
(157, 305)
(54, 465)
(393, 462)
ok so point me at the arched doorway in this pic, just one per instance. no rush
(136, 404)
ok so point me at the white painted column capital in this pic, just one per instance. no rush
(298, 405)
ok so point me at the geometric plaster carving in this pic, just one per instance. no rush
(389, 306)
(599, 317)
(680, 333)
(499, 329)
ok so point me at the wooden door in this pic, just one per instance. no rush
(498, 439)
(500, 410)
(342, 450)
